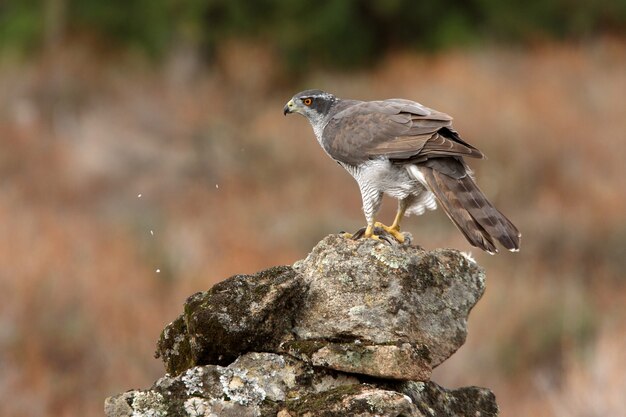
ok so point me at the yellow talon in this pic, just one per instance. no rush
(393, 230)
(369, 233)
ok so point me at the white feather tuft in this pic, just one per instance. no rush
(469, 257)
(417, 174)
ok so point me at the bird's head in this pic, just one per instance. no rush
(315, 105)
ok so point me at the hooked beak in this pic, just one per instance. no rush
(288, 107)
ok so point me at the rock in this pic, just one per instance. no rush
(358, 306)
(255, 384)
(240, 314)
(401, 361)
(433, 400)
(354, 329)
(267, 384)
(361, 400)
(381, 294)
(119, 405)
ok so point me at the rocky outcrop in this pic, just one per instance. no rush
(269, 384)
(241, 314)
(353, 329)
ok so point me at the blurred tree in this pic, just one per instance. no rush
(331, 32)
(21, 25)
(143, 24)
(54, 22)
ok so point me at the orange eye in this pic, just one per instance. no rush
(307, 101)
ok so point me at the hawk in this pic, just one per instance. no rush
(410, 152)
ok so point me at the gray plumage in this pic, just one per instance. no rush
(410, 152)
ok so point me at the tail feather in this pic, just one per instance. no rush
(468, 208)
(493, 221)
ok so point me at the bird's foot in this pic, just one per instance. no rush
(392, 230)
(371, 235)
(366, 232)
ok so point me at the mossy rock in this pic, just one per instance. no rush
(240, 314)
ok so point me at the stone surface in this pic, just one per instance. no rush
(361, 400)
(267, 384)
(240, 314)
(399, 361)
(354, 329)
(359, 298)
(383, 294)
(433, 400)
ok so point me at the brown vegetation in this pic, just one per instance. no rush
(229, 186)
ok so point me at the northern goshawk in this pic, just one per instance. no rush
(410, 152)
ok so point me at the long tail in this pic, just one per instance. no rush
(466, 205)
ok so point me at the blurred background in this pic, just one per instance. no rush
(144, 156)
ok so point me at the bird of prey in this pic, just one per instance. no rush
(410, 152)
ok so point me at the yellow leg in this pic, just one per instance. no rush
(394, 229)
(369, 232)
(396, 221)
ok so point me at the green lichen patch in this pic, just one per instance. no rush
(303, 349)
(351, 400)
(403, 361)
(324, 401)
(240, 314)
(390, 259)
(148, 404)
(431, 399)
(173, 347)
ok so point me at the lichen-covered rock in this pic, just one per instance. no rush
(267, 384)
(433, 400)
(255, 384)
(382, 294)
(367, 306)
(395, 361)
(362, 400)
(136, 404)
(350, 330)
(241, 314)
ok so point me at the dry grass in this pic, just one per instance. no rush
(230, 186)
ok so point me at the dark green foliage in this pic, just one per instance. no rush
(145, 24)
(21, 24)
(330, 32)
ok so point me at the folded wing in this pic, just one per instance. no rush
(400, 130)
